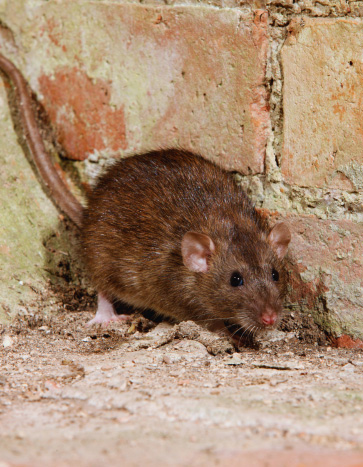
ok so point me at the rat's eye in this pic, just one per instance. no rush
(275, 275)
(236, 279)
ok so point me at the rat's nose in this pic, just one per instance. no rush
(268, 317)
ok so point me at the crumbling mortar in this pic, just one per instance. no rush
(325, 204)
(269, 191)
(324, 317)
(274, 75)
(287, 9)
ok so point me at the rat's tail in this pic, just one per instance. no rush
(58, 190)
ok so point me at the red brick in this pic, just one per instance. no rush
(81, 110)
(346, 342)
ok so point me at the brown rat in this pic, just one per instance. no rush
(172, 232)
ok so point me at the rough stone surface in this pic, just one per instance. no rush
(327, 272)
(322, 95)
(186, 76)
(74, 396)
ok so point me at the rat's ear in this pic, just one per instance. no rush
(196, 249)
(279, 238)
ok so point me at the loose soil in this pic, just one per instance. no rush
(140, 393)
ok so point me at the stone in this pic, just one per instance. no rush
(322, 95)
(7, 341)
(235, 360)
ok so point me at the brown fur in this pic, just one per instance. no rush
(133, 227)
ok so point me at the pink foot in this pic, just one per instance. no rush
(105, 313)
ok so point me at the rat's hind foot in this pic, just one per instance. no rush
(105, 313)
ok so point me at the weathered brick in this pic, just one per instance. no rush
(126, 78)
(327, 272)
(346, 342)
(323, 95)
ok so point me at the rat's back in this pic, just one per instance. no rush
(162, 192)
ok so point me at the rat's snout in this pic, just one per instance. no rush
(268, 317)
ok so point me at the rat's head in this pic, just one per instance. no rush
(245, 277)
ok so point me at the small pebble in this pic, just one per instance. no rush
(7, 341)
(236, 359)
(348, 367)
(166, 359)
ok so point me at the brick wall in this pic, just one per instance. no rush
(270, 90)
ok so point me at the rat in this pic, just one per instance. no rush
(170, 231)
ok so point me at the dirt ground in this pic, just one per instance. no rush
(136, 393)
